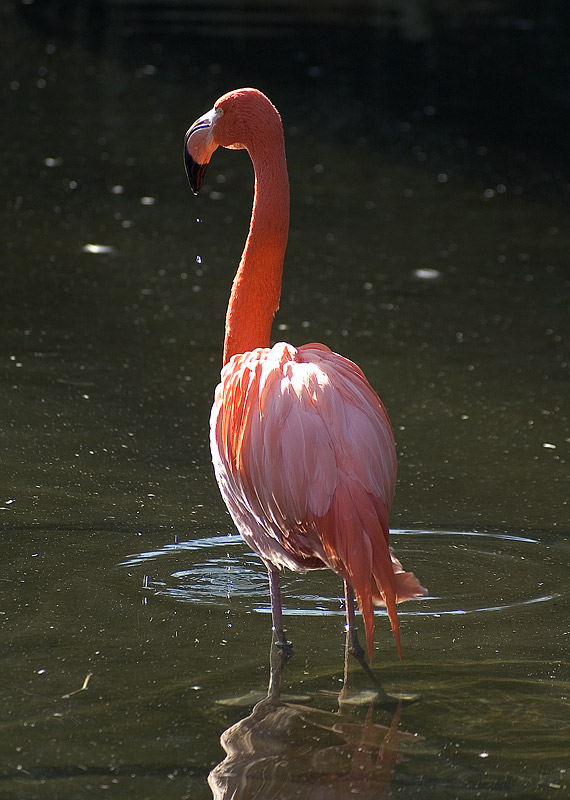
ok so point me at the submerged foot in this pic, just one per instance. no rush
(383, 698)
(280, 641)
(285, 647)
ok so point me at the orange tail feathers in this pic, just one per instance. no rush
(406, 587)
(354, 534)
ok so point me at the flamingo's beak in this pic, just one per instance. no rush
(198, 149)
(194, 171)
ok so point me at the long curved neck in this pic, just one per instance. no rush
(256, 289)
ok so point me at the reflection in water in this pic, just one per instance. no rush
(289, 750)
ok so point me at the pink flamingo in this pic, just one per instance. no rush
(302, 446)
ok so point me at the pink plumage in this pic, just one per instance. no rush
(304, 455)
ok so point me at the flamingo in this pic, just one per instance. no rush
(302, 446)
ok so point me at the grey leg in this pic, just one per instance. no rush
(276, 611)
(354, 646)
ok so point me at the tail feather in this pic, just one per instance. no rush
(354, 534)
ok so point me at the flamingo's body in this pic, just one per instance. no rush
(302, 446)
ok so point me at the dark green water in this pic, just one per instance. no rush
(440, 265)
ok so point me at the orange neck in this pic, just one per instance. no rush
(256, 289)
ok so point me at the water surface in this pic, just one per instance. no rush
(135, 629)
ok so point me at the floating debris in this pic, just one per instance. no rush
(81, 689)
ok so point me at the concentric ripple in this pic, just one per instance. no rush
(465, 573)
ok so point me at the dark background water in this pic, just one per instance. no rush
(428, 157)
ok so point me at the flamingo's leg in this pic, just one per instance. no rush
(354, 646)
(276, 610)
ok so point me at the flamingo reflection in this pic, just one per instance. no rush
(291, 750)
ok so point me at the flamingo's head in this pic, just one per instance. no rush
(241, 119)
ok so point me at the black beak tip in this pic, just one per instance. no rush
(194, 171)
